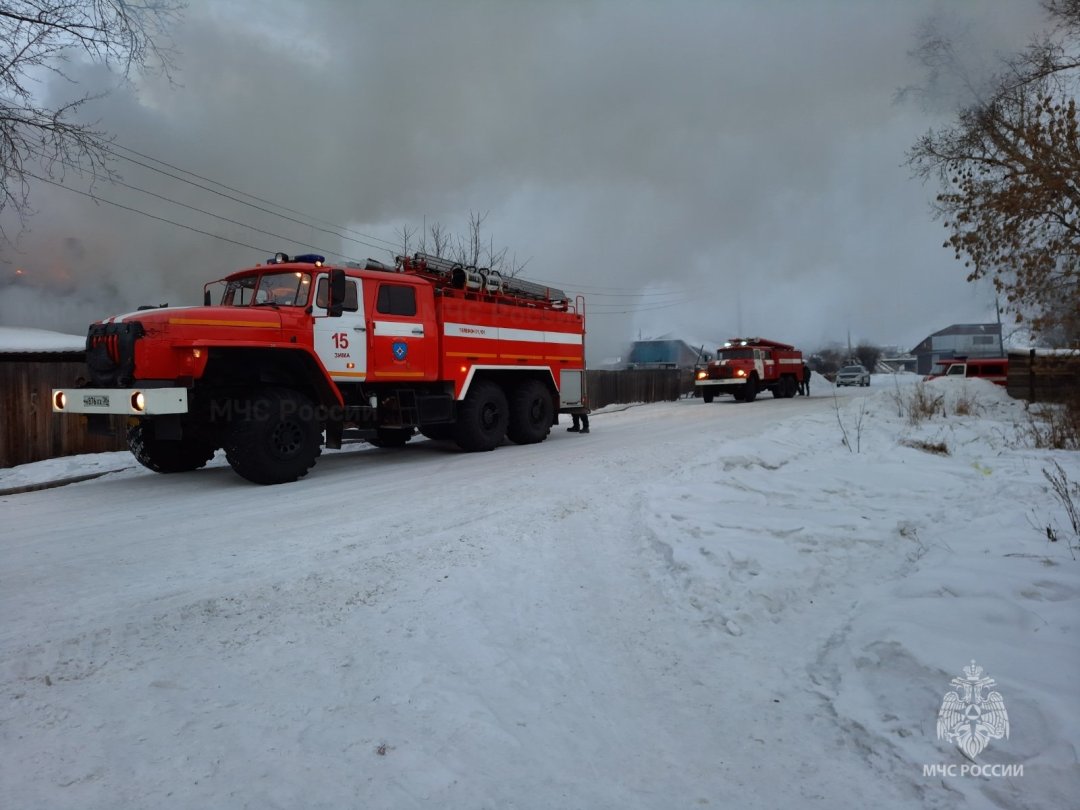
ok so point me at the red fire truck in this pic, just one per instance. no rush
(746, 366)
(297, 349)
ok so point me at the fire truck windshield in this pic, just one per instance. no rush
(275, 289)
(736, 354)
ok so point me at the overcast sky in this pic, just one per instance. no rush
(699, 169)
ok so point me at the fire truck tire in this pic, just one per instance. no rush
(531, 412)
(280, 443)
(391, 437)
(482, 417)
(751, 389)
(707, 396)
(168, 456)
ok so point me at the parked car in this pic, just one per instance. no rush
(994, 369)
(853, 375)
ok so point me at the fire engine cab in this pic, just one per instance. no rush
(746, 366)
(297, 350)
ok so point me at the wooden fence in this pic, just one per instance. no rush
(1044, 376)
(30, 431)
(637, 385)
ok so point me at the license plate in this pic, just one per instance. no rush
(95, 401)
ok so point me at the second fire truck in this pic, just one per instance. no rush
(744, 367)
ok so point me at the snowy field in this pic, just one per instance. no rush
(693, 606)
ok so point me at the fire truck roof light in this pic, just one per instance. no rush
(303, 258)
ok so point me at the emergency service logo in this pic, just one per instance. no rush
(400, 350)
(972, 716)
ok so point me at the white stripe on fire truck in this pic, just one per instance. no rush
(467, 330)
(399, 328)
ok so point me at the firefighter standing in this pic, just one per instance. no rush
(581, 423)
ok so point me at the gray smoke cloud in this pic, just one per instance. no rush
(694, 169)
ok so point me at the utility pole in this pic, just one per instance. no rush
(1001, 339)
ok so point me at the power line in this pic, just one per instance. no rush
(593, 312)
(604, 308)
(117, 182)
(586, 289)
(145, 214)
(599, 309)
(248, 194)
(238, 200)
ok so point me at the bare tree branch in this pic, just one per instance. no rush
(127, 36)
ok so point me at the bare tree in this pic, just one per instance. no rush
(1009, 168)
(405, 235)
(440, 241)
(469, 250)
(127, 36)
(868, 355)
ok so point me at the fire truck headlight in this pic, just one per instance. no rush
(60, 400)
(701, 375)
(138, 401)
(741, 372)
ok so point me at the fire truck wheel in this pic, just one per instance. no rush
(168, 456)
(482, 417)
(531, 411)
(707, 396)
(391, 437)
(751, 388)
(279, 442)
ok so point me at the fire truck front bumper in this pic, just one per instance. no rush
(727, 384)
(120, 401)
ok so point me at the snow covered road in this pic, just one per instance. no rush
(668, 612)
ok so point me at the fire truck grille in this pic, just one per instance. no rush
(110, 353)
(111, 345)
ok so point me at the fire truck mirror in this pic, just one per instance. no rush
(337, 292)
(206, 298)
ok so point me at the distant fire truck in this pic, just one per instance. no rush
(297, 350)
(746, 366)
